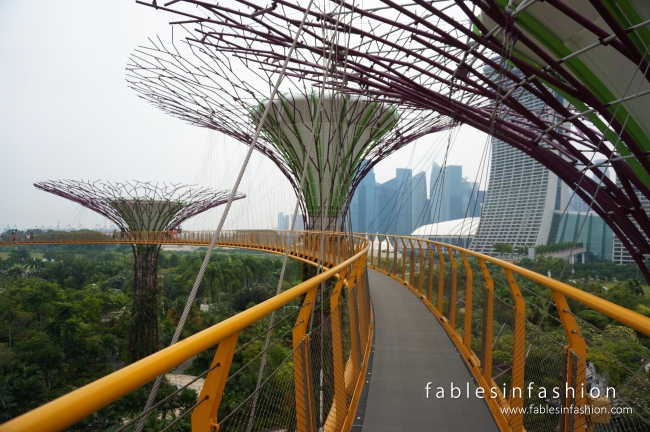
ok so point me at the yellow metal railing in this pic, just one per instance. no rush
(443, 276)
(433, 270)
(345, 261)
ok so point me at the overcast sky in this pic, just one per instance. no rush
(66, 112)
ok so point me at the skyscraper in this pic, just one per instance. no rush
(419, 201)
(404, 177)
(386, 207)
(452, 194)
(363, 204)
(472, 199)
(435, 186)
(521, 196)
(283, 221)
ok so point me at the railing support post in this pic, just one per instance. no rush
(421, 268)
(488, 311)
(518, 353)
(441, 281)
(387, 251)
(204, 417)
(301, 367)
(395, 256)
(469, 282)
(412, 269)
(575, 363)
(363, 314)
(355, 333)
(430, 276)
(403, 259)
(452, 293)
(340, 395)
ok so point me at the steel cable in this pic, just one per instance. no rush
(217, 234)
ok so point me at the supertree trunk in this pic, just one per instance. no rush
(144, 313)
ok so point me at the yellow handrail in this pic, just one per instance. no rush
(625, 316)
(73, 407)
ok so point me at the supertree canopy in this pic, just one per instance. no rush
(141, 206)
(585, 61)
(344, 134)
(339, 137)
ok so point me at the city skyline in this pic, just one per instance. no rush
(406, 202)
(105, 132)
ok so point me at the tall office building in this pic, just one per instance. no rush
(404, 177)
(386, 207)
(472, 199)
(451, 207)
(435, 186)
(284, 221)
(362, 207)
(521, 196)
(519, 202)
(586, 228)
(419, 216)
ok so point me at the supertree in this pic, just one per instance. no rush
(141, 206)
(585, 61)
(339, 137)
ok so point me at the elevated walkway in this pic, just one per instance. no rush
(412, 349)
(419, 336)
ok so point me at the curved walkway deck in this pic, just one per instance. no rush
(411, 349)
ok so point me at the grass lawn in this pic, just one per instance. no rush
(37, 255)
(646, 288)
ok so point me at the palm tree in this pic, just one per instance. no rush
(18, 270)
(79, 271)
(212, 273)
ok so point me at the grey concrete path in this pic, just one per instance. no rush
(412, 349)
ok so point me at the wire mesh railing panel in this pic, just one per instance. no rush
(271, 406)
(446, 289)
(503, 318)
(258, 356)
(478, 300)
(616, 375)
(361, 343)
(544, 361)
(344, 327)
(321, 362)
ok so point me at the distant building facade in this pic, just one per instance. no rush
(419, 201)
(404, 209)
(586, 228)
(385, 207)
(521, 196)
(284, 221)
(362, 208)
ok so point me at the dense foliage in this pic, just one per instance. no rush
(65, 317)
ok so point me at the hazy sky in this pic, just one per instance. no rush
(66, 112)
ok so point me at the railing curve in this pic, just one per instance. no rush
(347, 328)
(492, 330)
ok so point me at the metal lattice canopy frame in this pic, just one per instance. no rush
(139, 206)
(211, 88)
(472, 61)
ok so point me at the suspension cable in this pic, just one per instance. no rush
(217, 233)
